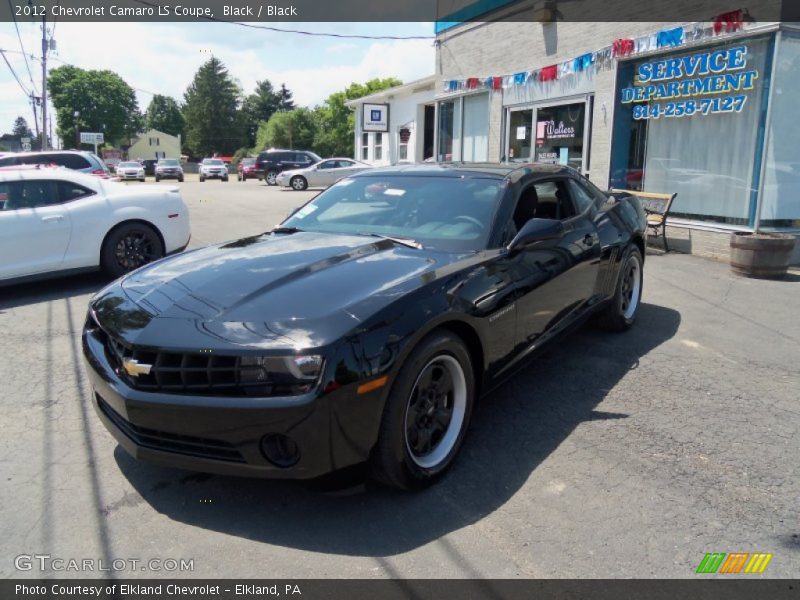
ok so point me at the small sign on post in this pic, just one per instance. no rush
(92, 138)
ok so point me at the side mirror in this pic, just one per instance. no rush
(536, 230)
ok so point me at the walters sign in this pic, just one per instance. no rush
(673, 87)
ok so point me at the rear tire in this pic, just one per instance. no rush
(426, 415)
(621, 311)
(129, 246)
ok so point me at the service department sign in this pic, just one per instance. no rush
(375, 117)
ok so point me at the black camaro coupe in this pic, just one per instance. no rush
(365, 326)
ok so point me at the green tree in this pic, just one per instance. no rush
(285, 101)
(21, 128)
(211, 109)
(336, 122)
(259, 106)
(164, 114)
(105, 102)
(292, 129)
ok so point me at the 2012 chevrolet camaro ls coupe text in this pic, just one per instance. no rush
(365, 326)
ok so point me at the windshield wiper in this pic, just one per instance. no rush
(398, 240)
(286, 230)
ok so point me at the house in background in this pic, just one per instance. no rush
(10, 143)
(396, 125)
(154, 144)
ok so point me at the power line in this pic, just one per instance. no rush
(346, 36)
(21, 46)
(14, 73)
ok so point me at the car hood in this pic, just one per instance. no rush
(303, 290)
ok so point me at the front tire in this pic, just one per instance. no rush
(271, 178)
(298, 183)
(128, 247)
(621, 312)
(224, 179)
(426, 415)
(202, 179)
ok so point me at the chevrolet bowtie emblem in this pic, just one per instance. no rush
(134, 368)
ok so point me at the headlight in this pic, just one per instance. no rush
(289, 375)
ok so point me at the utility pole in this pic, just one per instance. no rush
(35, 114)
(44, 80)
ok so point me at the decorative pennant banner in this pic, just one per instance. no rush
(604, 58)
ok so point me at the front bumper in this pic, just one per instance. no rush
(216, 434)
(215, 175)
(134, 176)
(169, 175)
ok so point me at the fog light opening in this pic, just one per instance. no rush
(280, 450)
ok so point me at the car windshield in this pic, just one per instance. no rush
(446, 213)
(214, 162)
(130, 165)
(170, 162)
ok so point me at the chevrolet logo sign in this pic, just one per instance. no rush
(134, 368)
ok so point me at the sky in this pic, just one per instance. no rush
(163, 57)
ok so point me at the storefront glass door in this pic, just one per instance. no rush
(555, 133)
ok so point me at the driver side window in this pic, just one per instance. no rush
(541, 200)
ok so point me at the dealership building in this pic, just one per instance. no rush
(704, 109)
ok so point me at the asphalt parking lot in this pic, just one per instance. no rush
(625, 455)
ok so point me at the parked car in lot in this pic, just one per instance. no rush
(246, 169)
(365, 326)
(85, 162)
(130, 170)
(55, 220)
(213, 168)
(149, 165)
(271, 162)
(169, 168)
(322, 174)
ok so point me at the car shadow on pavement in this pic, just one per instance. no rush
(50, 289)
(514, 429)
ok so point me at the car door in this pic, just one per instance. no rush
(324, 173)
(35, 228)
(557, 276)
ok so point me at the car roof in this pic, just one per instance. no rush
(40, 152)
(62, 173)
(511, 171)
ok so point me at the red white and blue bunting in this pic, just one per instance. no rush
(599, 60)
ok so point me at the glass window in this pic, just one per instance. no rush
(327, 164)
(559, 134)
(31, 194)
(450, 130)
(699, 138)
(3, 194)
(378, 153)
(476, 128)
(449, 213)
(581, 197)
(780, 201)
(520, 135)
(364, 146)
(68, 191)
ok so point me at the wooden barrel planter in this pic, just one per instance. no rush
(764, 255)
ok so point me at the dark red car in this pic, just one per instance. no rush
(246, 169)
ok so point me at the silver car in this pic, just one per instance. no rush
(213, 168)
(322, 174)
(130, 170)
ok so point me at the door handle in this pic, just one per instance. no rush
(53, 218)
(588, 239)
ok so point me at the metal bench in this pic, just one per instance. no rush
(657, 207)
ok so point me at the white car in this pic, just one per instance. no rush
(322, 174)
(55, 220)
(213, 168)
(130, 170)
